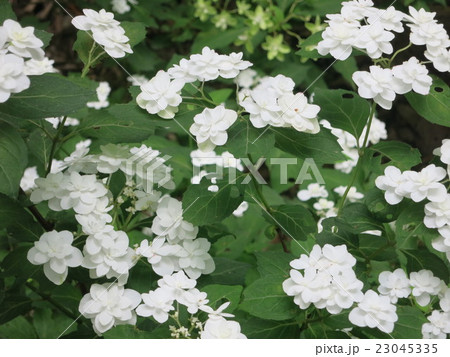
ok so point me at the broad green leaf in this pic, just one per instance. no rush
(359, 217)
(39, 145)
(19, 327)
(295, 221)
(259, 328)
(336, 232)
(322, 147)
(409, 324)
(50, 95)
(308, 47)
(219, 294)
(13, 306)
(346, 69)
(83, 46)
(16, 264)
(135, 31)
(266, 299)
(227, 272)
(380, 209)
(59, 323)
(17, 221)
(423, 259)
(6, 12)
(13, 159)
(274, 263)
(343, 109)
(202, 206)
(400, 154)
(435, 106)
(220, 95)
(244, 139)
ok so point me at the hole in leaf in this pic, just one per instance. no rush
(439, 89)
(290, 179)
(347, 96)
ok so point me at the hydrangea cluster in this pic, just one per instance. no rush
(424, 185)
(161, 95)
(328, 280)
(273, 102)
(349, 144)
(368, 29)
(105, 30)
(421, 285)
(21, 55)
(122, 6)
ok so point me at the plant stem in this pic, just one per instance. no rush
(361, 154)
(54, 144)
(41, 220)
(398, 52)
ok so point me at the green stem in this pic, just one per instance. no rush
(55, 144)
(89, 61)
(358, 164)
(398, 52)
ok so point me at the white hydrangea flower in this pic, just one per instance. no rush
(80, 161)
(162, 256)
(438, 327)
(210, 127)
(147, 202)
(375, 40)
(169, 221)
(390, 19)
(34, 67)
(109, 305)
(194, 258)
(13, 79)
(29, 176)
(181, 71)
(91, 224)
(392, 183)
(425, 184)
(239, 212)
(91, 19)
(201, 158)
(205, 66)
(297, 112)
(374, 311)
(424, 285)
(194, 300)
(21, 40)
(444, 302)
(394, 284)
(440, 58)
(420, 17)
(413, 76)
(137, 79)
(112, 158)
(218, 327)
(102, 91)
(314, 190)
(444, 151)
(323, 205)
(357, 9)
(176, 285)
(51, 189)
(55, 251)
(338, 38)
(55, 121)
(353, 195)
(246, 78)
(263, 108)
(431, 34)
(377, 85)
(157, 303)
(161, 95)
(82, 193)
(122, 6)
(437, 214)
(231, 65)
(219, 312)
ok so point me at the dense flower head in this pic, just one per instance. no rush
(374, 311)
(21, 41)
(424, 285)
(55, 251)
(437, 214)
(12, 77)
(218, 327)
(394, 284)
(411, 75)
(438, 325)
(157, 303)
(109, 305)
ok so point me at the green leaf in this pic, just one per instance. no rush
(16, 264)
(343, 109)
(83, 46)
(12, 306)
(17, 221)
(266, 299)
(19, 327)
(50, 95)
(13, 159)
(346, 68)
(309, 46)
(400, 154)
(135, 31)
(203, 207)
(6, 12)
(322, 147)
(244, 139)
(59, 323)
(219, 294)
(359, 217)
(220, 95)
(274, 263)
(128, 332)
(295, 221)
(227, 272)
(259, 328)
(409, 324)
(434, 107)
(423, 259)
